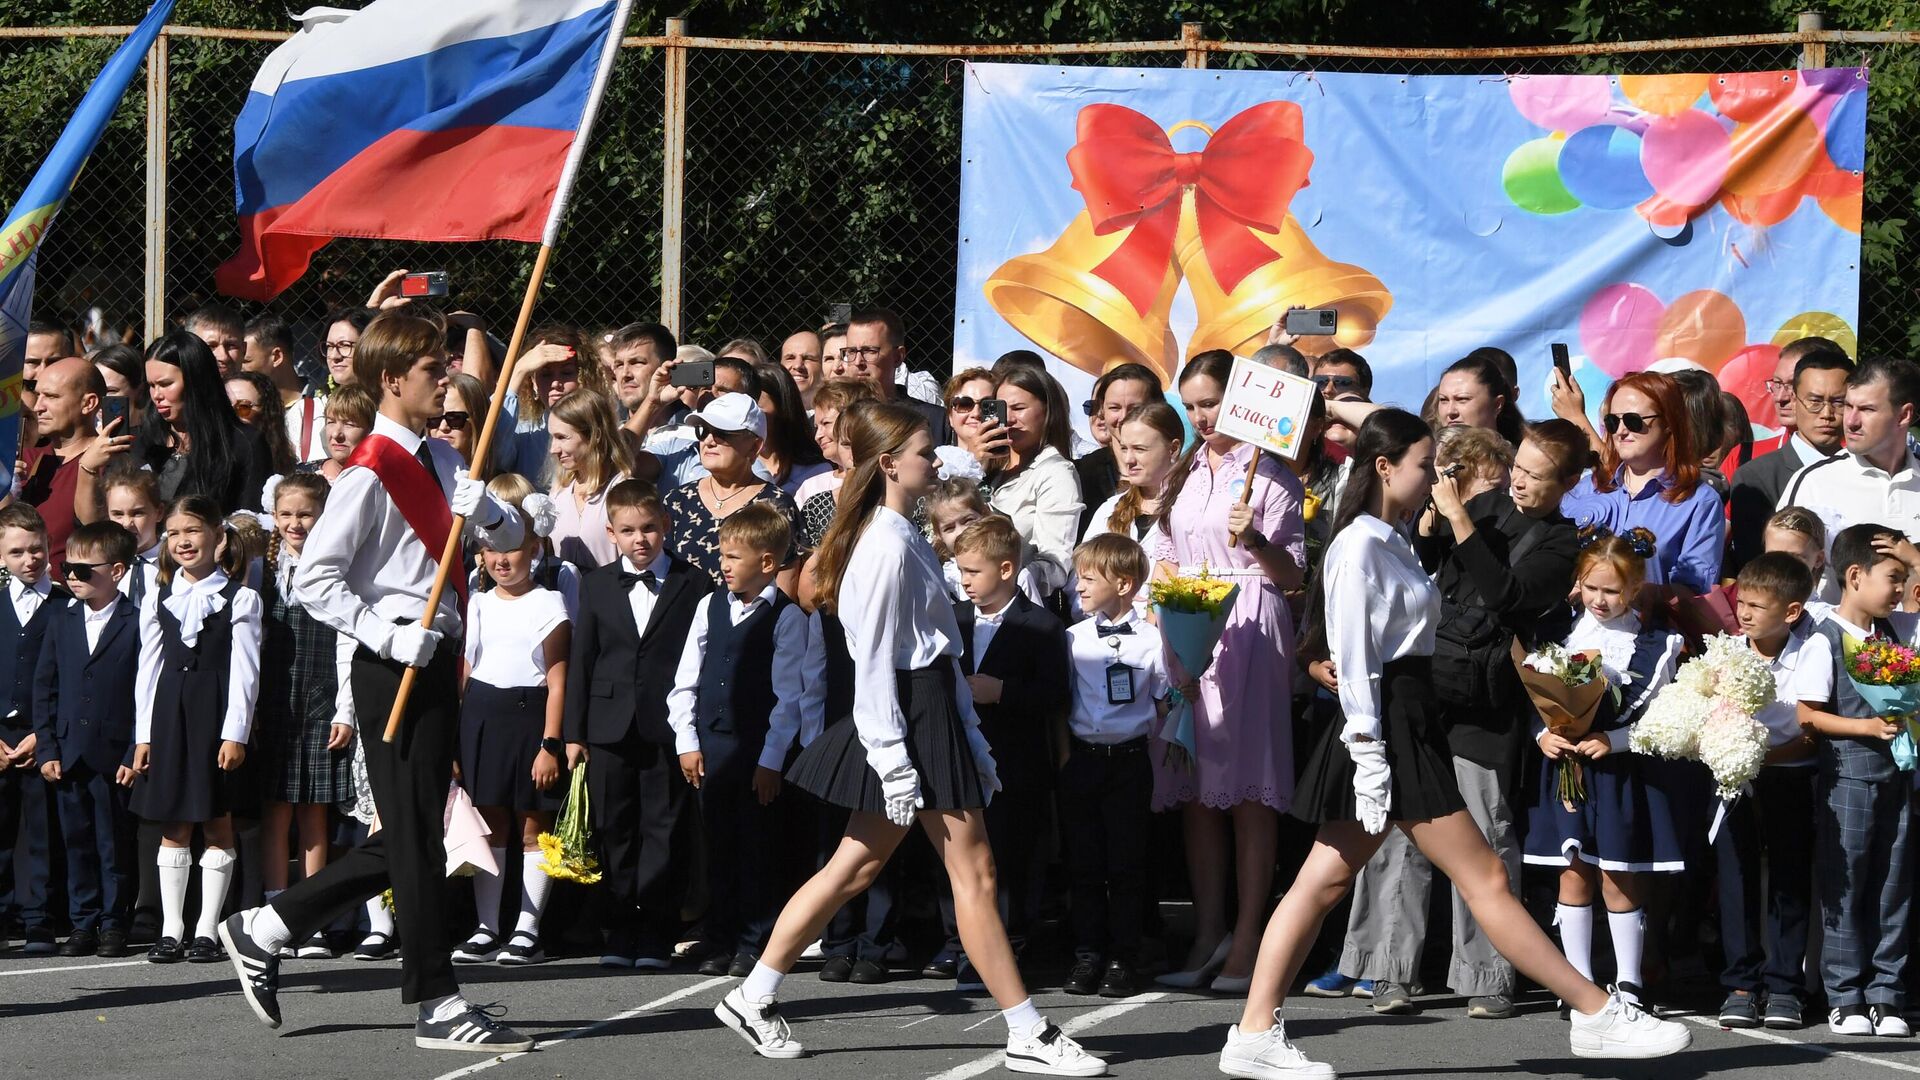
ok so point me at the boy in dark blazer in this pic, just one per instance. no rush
(1015, 659)
(26, 812)
(83, 719)
(635, 615)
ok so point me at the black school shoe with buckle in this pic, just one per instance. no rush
(258, 969)
(477, 1030)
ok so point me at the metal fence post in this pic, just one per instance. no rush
(156, 273)
(1190, 40)
(1813, 54)
(673, 178)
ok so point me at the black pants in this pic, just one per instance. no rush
(1018, 824)
(1777, 820)
(1105, 800)
(739, 834)
(27, 828)
(409, 777)
(642, 823)
(863, 929)
(98, 831)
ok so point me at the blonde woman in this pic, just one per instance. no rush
(589, 457)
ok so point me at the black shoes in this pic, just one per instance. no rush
(204, 950)
(165, 951)
(80, 943)
(717, 964)
(742, 965)
(40, 942)
(113, 943)
(944, 966)
(1119, 980)
(258, 969)
(837, 969)
(1086, 976)
(868, 973)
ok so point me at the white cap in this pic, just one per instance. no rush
(732, 413)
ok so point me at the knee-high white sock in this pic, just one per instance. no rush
(175, 864)
(486, 893)
(216, 873)
(1629, 930)
(1576, 936)
(379, 919)
(534, 884)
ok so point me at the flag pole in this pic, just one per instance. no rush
(503, 378)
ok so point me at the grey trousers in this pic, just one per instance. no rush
(1388, 926)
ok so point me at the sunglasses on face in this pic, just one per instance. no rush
(81, 571)
(455, 420)
(29, 384)
(1637, 423)
(963, 404)
(245, 409)
(1339, 383)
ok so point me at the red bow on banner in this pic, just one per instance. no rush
(1131, 176)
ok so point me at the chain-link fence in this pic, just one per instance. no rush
(812, 174)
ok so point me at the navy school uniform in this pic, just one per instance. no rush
(1628, 821)
(503, 712)
(83, 714)
(27, 815)
(191, 699)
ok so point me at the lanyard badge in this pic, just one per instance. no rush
(1119, 677)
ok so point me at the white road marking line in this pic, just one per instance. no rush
(1073, 1026)
(922, 1020)
(1811, 1048)
(72, 967)
(666, 999)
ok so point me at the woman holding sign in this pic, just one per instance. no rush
(1241, 777)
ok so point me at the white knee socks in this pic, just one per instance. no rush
(534, 884)
(216, 873)
(1576, 936)
(486, 894)
(379, 919)
(175, 864)
(1629, 929)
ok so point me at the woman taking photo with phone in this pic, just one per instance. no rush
(1036, 486)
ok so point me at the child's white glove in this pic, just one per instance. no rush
(1372, 784)
(900, 789)
(983, 763)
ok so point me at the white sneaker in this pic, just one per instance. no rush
(1052, 1052)
(760, 1023)
(1624, 1030)
(1849, 1020)
(1888, 1023)
(1269, 1055)
(815, 951)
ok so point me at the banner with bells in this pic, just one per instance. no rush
(1114, 215)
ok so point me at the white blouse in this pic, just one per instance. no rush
(1380, 606)
(506, 638)
(893, 605)
(1616, 640)
(243, 663)
(1043, 501)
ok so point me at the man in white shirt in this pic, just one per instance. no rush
(269, 346)
(367, 571)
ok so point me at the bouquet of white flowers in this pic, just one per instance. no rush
(1707, 714)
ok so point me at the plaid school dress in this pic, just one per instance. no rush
(299, 683)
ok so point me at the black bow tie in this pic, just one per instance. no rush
(1103, 630)
(628, 581)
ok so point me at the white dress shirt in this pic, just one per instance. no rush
(1846, 490)
(28, 598)
(1095, 719)
(985, 626)
(1380, 606)
(1800, 673)
(789, 687)
(94, 620)
(243, 663)
(364, 571)
(1043, 501)
(643, 596)
(506, 643)
(897, 617)
(315, 446)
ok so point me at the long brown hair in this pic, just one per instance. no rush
(1162, 418)
(590, 413)
(1683, 462)
(874, 429)
(313, 486)
(1215, 364)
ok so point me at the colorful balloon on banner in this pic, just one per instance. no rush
(1532, 178)
(1704, 326)
(1600, 166)
(1618, 327)
(1686, 157)
(1773, 153)
(1561, 102)
(1847, 131)
(1819, 324)
(1666, 95)
(1749, 95)
(1745, 377)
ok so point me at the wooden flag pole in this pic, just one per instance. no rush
(1246, 489)
(450, 555)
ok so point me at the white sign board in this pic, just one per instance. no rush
(1267, 407)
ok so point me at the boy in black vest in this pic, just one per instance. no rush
(26, 811)
(735, 711)
(634, 616)
(83, 721)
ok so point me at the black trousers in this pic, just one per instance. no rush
(1105, 801)
(739, 834)
(863, 929)
(27, 828)
(642, 823)
(99, 834)
(409, 777)
(1776, 820)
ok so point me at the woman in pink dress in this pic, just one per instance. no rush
(1241, 778)
(589, 456)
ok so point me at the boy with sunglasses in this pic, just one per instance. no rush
(83, 718)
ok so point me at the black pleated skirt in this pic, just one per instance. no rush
(834, 769)
(500, 730)
(184, 780)
(1417, 753)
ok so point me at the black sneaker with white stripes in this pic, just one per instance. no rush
(476, 1030)
(258, 969)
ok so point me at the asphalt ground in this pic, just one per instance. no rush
(92, 1018)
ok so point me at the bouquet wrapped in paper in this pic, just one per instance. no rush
(1192, 611)
(1886, 675)
(1566, 689)
(1707, 715)
(466, 836)
(567, 852)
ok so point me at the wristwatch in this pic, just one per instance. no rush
(555, 747)
(1253, 539)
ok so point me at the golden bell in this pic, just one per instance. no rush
(1055, 299)
(1302, 277)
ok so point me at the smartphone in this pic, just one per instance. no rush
(840, 314)
(993, 409)
(428, 283)
(694, 373)
(1313, 322)
(114, 407)
(1562, 361)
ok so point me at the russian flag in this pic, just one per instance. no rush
(414, 120)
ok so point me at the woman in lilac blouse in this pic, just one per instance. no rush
(1649, 477)
(1242, 772)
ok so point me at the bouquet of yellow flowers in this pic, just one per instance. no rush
(1193, 614)
(1201, 594)
(567, 852)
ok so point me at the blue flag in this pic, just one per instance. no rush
(26, 224)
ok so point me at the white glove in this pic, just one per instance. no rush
(900, 789)
(541, 510)
(470, 500)
(1372, 784)
(983, 763)
(411, 644)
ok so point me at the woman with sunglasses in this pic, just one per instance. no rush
(250, 392)
(971, 431)
(466, 399)
(1649, 477)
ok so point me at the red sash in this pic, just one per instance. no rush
(416, 494)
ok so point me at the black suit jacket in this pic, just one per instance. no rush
(618, 675)
(19, 652)
(83, 699)
(1099, 477)
(1757, 487)
(1029, 655)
